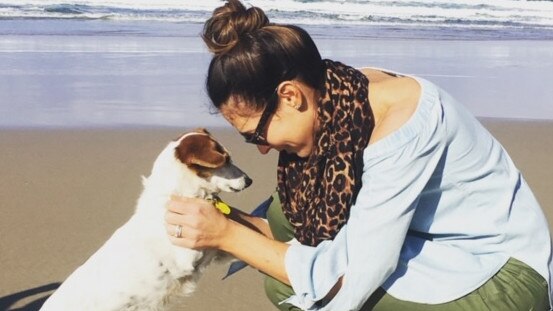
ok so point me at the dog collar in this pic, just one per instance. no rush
(220, 205)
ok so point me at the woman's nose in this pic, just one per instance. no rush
(263, 149)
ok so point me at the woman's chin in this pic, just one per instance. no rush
(302, 153)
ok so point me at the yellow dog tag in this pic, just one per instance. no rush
(222, 206)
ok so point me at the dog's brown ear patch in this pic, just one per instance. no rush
(201, 150)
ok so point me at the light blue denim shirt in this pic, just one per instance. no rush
(441, 210)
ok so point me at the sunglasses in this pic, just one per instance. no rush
(258, 136)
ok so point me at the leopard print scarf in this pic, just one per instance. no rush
(317, 192)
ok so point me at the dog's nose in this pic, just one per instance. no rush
(248, 181)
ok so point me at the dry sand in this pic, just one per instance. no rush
(64, 192)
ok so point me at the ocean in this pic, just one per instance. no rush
(493, 19)
(95, 63)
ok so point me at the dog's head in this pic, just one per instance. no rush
(195, 164)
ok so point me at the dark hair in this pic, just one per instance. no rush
(251, 56)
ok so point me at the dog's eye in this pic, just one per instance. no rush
(202, 172)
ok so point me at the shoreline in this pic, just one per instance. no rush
(328, 30)
(102, 81)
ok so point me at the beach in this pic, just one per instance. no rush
(83, 116)
(64, 192)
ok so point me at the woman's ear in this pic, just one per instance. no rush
(290, 94)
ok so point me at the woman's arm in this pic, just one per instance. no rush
(240, 235)
(255, 223)
(259, 251)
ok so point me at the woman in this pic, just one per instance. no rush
(399, 198)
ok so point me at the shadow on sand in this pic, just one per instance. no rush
(8, 301)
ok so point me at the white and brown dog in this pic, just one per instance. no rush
(138, 268)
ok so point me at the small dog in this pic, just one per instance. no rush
(138, 268)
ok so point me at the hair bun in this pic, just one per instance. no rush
(228, 23)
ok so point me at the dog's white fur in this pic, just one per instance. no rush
(138, 268)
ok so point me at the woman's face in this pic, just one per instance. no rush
(291, 127)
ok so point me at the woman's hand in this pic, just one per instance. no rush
(203, 226)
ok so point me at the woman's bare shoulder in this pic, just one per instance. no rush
(394, 101)
(376, 75)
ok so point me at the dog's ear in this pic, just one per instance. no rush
(201, 150)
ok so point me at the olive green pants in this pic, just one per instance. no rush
(515, 287)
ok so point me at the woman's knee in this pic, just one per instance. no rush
(277, 291)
